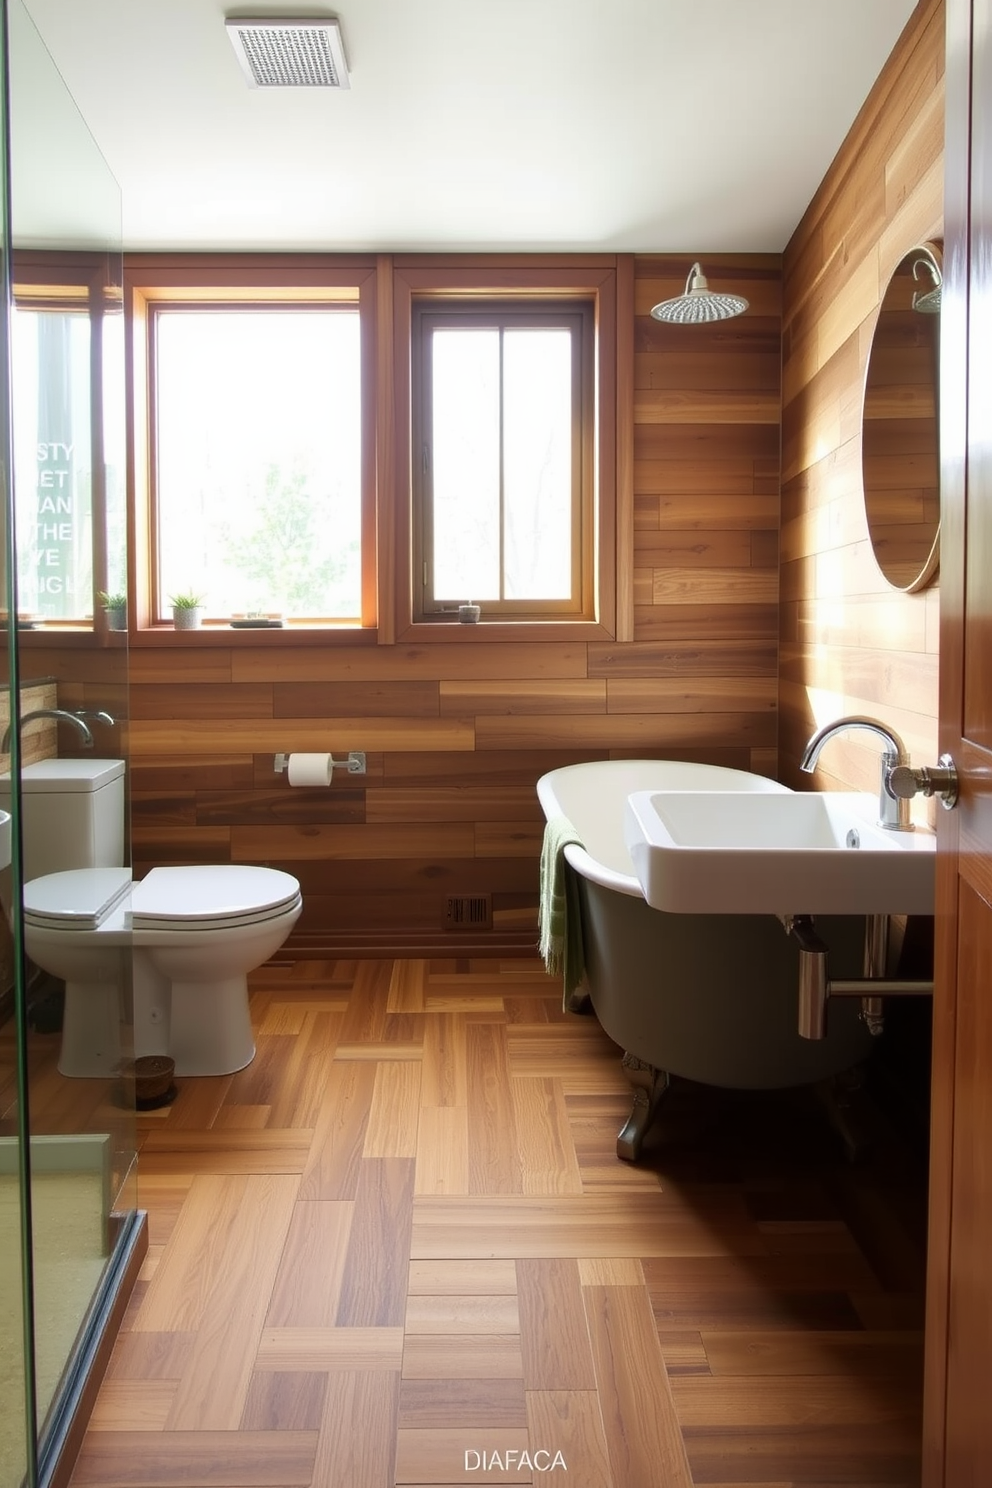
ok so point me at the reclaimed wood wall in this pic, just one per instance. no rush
(457, 733)
(850, 643)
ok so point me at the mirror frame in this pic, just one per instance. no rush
(897, 291)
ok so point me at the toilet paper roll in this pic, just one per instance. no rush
(310, 769)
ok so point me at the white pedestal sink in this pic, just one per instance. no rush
(798, 853)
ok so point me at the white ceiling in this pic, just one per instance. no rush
(638, 125)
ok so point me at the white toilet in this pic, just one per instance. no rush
(187, 935)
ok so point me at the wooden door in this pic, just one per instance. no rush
(958, 1398)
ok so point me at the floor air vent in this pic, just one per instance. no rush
(468, 912)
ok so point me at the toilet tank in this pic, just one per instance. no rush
(72, 813)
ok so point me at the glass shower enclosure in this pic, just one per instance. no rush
(70, 1233)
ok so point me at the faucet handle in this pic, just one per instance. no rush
(940, 780)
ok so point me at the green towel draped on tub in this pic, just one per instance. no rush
(559, 917)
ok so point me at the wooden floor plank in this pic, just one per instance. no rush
(133, 1405)
(213, 1387)
(752, 1311)
(331, 1169)
(406, 987)
(544, 1139)
(465, 1403)
(463, 1356)
(754, 1401)
(642, 1429)
(230, 1151)
(298, 1101)
(307, 1288)
(196, 1459)
(395, 1110)
(330, 1349)
(487, 1278)
(242, 1118)
(450, 1313)
(571, 1226)
(445, 1069)
(442, 1150)
(611, 1271)
(149, 1356)
(807, 1352)
(449, 1456)
(570, 1422)
(204, 1240)
(494, 1157)
(373, 1287)
(554, 1333)
(859, 1456)
(365, 1020)
(285, 1401)
(356, 1447)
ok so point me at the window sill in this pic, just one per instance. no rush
(419, 632)
(217, 633)
(484, 631)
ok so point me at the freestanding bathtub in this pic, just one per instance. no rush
(711, 998)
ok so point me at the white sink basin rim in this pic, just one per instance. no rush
(800, 852)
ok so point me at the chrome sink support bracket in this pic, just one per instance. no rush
(815, 987)
(876, 961)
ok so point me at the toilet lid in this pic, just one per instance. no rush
(79, 898)
(210, 897)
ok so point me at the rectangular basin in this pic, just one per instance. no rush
(803, 852)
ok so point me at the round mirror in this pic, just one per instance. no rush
(899, 447)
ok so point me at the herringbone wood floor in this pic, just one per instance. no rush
(400, 1241)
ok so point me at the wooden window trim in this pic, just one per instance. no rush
(576, 317)
(306, 280)
(608, 281)
(385, 285)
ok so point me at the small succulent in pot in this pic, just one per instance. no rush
(115, 606)
(187, 609)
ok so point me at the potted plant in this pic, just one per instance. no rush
(187, 610)
(115, 608)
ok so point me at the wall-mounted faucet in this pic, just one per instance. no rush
(98, 715)
(60, 714)
(893, 812)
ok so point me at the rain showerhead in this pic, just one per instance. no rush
(699, 303)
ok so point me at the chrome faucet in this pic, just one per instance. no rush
(98, 715)
(893, 812)
(57, 713)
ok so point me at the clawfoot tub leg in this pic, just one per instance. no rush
(650, 1086)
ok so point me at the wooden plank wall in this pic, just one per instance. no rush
(456, 735)
(850, 643)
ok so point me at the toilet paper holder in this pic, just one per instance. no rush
(354, 764)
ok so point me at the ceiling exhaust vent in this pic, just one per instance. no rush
(289, 53)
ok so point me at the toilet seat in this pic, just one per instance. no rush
(219, 897)
(215, 897)
(75, 899)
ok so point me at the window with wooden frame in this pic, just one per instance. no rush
(504, 458)
(67, 352)
(517, 378)
(255, 467)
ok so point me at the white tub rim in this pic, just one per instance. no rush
(684, 775)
